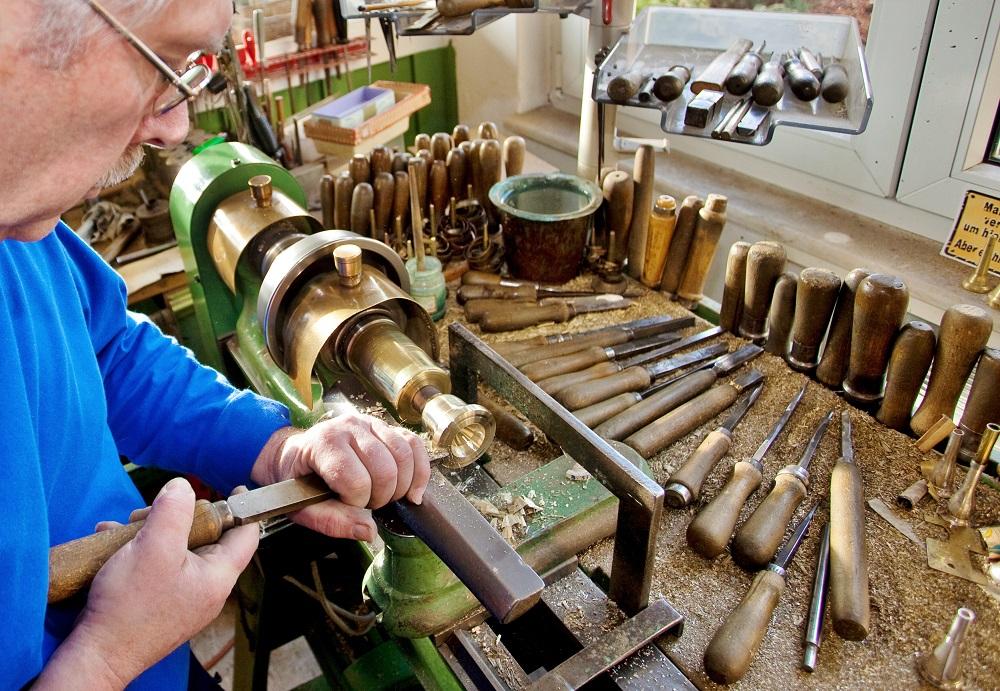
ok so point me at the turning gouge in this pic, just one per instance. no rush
(711, 529)
(523, 293)
(733, 647)
(655, 406)
(520, 316)
(684, 485)
(758, 538)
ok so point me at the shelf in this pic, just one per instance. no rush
(662, 37)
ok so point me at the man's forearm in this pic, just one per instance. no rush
(76, 663)
(267, 468)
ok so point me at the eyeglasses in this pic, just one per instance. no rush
(185, 84)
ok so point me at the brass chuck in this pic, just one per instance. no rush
(942, 667)
(979, 281)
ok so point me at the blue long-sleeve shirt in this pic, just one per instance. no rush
(84, 380)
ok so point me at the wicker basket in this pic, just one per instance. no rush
(409, 99)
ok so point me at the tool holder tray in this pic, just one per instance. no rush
(411, 21)
(661, 37)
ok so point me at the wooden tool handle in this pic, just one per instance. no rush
(619, 196)
(326, 200)
(709, 532)
(743, 74)
(604, 338)
(983, 404)
(696, 468)
(965, 329)
(835, 85)
(781, 314)
(647, 410)
(475, 310)
(488, 129)
(343, 193)
(520, 316)
(381, 160)
(401, 197)
(911, 358)
(833, 365)
(385, 189)
(457, 173)
(491, 167)
(417, 169)
(73, 565)
(801, 81)
(513, 155)
(713, 76)
(459, 134)
(814, 303)
(422, 141)
(597, 413)
(622, 87)
(768, 87)
(440, 145)
(660, 232)
(757, 540)
(553, 385)
(670, 84)
(711, 221)
(585, 393)
(361, 206)
(511, 430)
(496, 292)
(680, 243)
(481, 278)
(574, 362)
(734, 645)
(644, 177)
(665, 430)
(879, 308)
(438, 182)
(360, 169)
(735, 283)
(765, 262)
(400, 161)
(849, 598)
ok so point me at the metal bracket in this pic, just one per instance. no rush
(640, 498)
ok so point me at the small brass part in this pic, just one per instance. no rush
(979, 281)
(347, 259)
(994, 298)
(942, 476)
(261, 189)
(962, 504)
(942, 667)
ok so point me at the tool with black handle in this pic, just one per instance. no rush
(769, 86)
(801, 81)
(655, 406)
(520, 316)
(555, 384)
(849, 598)
(574, 362)
(684, 485)
(744, 73)
(733, 647)
(713, 76)
(671, 83)
(817, 605)
(834, 85)
(709, 532)
(758, 538)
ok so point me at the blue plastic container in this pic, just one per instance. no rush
(352, 109)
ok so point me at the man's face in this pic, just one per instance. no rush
(67, 132)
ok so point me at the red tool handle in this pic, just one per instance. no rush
(250, 48)
(606, 11)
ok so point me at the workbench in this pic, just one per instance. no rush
(912, 605)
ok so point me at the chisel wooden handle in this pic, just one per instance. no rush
(475, 310)
(733, 647)
(670, 84)
(513, 155)
(487, 129)
(765, 262)
(757, 540)
(814, 303)
(553, 385)
(574, 362)
(660, 232)
(833, 365)
(491, 167)
(835, 85)
(343, 193)
(713, 76)
(983, 404)
(849, 598)
(735, 282)
(511, 430)
(711, 221)
(401, 197)
(647, 410)
(965, 329)
(438, 185)
(497, 292)
(769, 87)
(361, 207)
(588, 392)
(696, 468)
(520, 316)
(73, 565)
(619, 198)
(879, 308)
(680, 243)
(457, 173)
(911, 358)
(400, 161)
(385, 189)
(643, 175)
(709, 532)
(622, 87)
(360, 169)
(440, 145)
(381, 160)
(597, 413)
(459, 134)
(782, 314)
(665, 430)
(326, 200)
(604, 338)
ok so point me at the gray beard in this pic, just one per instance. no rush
(123, 168)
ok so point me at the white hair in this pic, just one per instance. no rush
(71, 24)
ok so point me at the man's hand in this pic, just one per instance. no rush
(150, 597)
(365, 461)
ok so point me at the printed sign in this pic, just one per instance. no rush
(978, 219)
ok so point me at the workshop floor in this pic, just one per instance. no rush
(291, 665)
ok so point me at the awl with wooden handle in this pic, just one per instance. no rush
(758, 538)
(733, 647)
(709, 532)
(519, 316)
(684, 485)
(849, 597)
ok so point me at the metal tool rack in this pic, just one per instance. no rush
(428, 22)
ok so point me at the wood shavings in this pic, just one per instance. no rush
(577, 473)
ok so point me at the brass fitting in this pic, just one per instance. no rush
(962, 504)
(942, 667)
(979, 281)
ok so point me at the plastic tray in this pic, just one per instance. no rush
(662, 37)
(352, 109)
(409, 99)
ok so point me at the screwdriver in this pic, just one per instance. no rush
(685, 485)
(555, 384)
(769, 86)
(653, 407)
(801, 81)
(734, 645)
(574, 362)
(743, 75)
(711, 529)
(758, 538)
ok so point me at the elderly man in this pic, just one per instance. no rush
(82, 87)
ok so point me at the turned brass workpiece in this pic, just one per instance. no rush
(711, 221)
(879, 308)
(911, 358)
(361, 205)
(781, 314)
(814, 303)
(680, 243)
(326, 200)
(962, 504)
(671, 83)
(662, 222)
(979, 281)
(440, 145)
(942, 666)
(513, 155)
(384, 186)
(765, 262)
(347, 260)
(983, 404)
(941, 478)
(833, 364)
(643, 176)
(965, 329)
(360, 169)
(261, 190)
(619, 195)
(735, 283)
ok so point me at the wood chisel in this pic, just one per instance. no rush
(484, 278)
(743, 74)
(733, 286)
(713, 76)
(758, 538)
(769, 86)
(752, 121)
(709, 532)
(684, 485)
(525, 293)
(803, 83)
(519, 316)
(653, 407)
(733, 647)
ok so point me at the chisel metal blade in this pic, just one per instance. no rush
(278, 499)
(658, 353)
(592, 303)
(658, 369)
